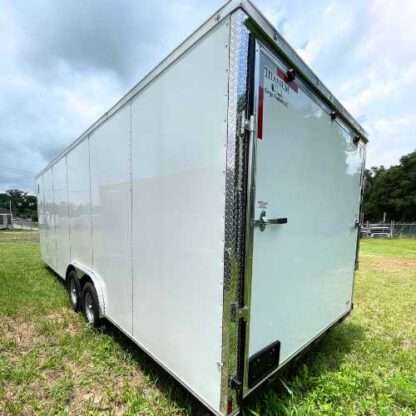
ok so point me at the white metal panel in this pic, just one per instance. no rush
(179, 137)
(40, 190)
(61, 216)
(308, 170)
(45, 218)
(49, 219)
(79, 204)
(111, 197)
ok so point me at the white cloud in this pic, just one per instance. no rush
(398, 133)
(366, 56)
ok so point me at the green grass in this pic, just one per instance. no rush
(390, 248)
(52, 363)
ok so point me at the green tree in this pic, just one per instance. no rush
(22, 204)
(391, 191)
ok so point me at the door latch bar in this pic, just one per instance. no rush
(263, 221)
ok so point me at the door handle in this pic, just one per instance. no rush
(263, 221)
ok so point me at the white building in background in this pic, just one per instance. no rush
(5, 219)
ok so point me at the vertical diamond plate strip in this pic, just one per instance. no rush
(234, 204)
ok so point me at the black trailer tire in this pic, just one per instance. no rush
(74, 290)
(90, 304)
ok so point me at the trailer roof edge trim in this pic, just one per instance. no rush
(222, 13)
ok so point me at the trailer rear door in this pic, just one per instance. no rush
(306, 200)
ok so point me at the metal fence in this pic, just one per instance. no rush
(24, 224)
(388, 230)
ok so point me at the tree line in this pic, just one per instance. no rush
(21, 204)
(390, 193)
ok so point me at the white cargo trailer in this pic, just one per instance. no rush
(212, 213)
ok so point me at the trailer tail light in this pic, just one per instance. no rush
(260, 114)
(229, 406)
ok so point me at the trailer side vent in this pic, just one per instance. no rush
(263, 363)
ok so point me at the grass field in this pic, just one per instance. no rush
(51, 362)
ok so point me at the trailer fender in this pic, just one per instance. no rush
(98, 282)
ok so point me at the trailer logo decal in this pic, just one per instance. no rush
(282, 75)
(275, 87)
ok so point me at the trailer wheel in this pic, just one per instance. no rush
(90, 304)
(74, 290)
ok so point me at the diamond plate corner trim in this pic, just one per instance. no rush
(234, 240)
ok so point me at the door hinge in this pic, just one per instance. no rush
(238, 313)
(235, 383)
(247, 124)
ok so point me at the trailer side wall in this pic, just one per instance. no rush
(61, 218)
(141, 202)
(79, 201)
(179, 131)
(111, 214)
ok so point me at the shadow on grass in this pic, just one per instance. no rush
(324, 356)
(163, 381)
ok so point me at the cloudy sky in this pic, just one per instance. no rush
(63, 63)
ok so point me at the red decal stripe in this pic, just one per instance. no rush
(260, 114)
(282, 75)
